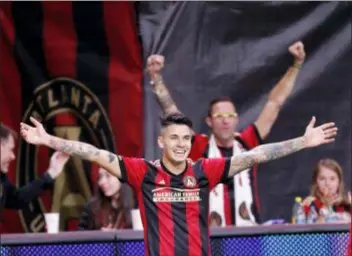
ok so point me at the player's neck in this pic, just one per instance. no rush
(224, 143)
(174, 168)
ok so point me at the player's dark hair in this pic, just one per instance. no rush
(176, 118)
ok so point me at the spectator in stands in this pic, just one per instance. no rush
(110, 207)
(17, 198)
(327, 201)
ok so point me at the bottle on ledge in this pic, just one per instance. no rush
(298, 215)
(313, 216)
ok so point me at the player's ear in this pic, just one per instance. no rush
(161, 141)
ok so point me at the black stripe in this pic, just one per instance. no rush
(29, 56)
(203, 184)
(226, 171)
(259, 138)
(92, 49)
(151, 211)
(252, 183)
(123, 177)
(206, 152)
(28, 49)
(30, 60)
(231, 191)
(178, 210)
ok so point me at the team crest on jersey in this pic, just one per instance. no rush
(67, 109)
(189, 181)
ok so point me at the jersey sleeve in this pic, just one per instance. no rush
(199, 146)
(216, 170)
(132, 171)
(250, 137)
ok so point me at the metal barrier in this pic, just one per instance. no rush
(276, 240)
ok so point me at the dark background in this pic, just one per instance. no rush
(240, 49)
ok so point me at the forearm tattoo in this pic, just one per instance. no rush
(265, 153)
(111, 157)
(77, 148)
(164, 98)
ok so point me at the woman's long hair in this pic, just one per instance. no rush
(105, 214)
(335, 167)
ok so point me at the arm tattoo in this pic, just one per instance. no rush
(164, 98)
(77, 148)
(111, 157)
(265, 153)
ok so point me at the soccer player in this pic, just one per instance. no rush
(239, 194)
(173, 194)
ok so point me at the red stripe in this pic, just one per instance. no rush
(10, 102)
(94, 175)
(65, 119)
(227, 206)
(125, 77)
(193, 213)
(59, 39)
(10, 99)
(166, 224)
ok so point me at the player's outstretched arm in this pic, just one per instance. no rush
(37, 135)
(313, 137)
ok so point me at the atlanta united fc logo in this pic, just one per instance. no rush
(67, 109)
(189, 181)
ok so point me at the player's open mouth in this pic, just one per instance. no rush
(180, 152)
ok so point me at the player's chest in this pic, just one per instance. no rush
(175, 189)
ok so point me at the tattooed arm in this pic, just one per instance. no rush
(38, 136)
(164, 98)
(313, 137)
(154, 65)
(265, 153)
(104, 158)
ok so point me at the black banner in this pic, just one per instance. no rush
(240, 49)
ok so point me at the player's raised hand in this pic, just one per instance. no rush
(155, 64)
(34, 134)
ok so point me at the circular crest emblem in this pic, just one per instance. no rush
(189, 181)
(67, 109)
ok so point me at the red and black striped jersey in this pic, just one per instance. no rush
(174, 208)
